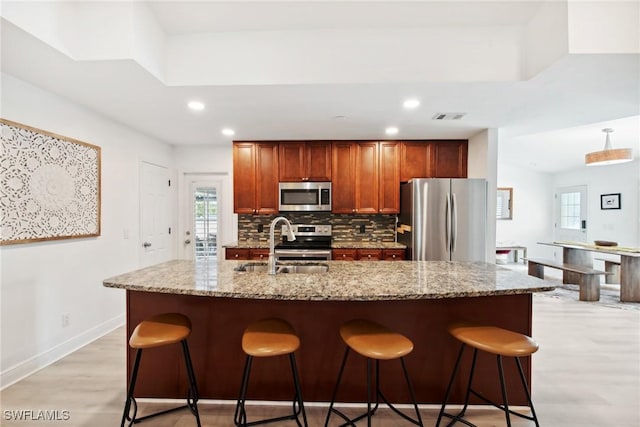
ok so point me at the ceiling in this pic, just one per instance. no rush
(559, 109)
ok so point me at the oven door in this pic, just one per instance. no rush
(303, 254)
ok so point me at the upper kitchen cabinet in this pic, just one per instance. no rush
(433, 159)
(389, 198)
(255, 177)
(449, 159)
(305, 161)
(365, 177)
(343, 177)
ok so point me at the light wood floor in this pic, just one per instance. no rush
(586, 374)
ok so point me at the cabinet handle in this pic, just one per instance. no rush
(393, 256)
(261, 256)
(236, 255)
(353, 210)
(369, 256)
(344, 255)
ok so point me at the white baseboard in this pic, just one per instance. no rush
(30, 366)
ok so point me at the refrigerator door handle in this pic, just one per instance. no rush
(454, 222)
(447, 223)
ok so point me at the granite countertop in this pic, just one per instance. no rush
(263, 244)
(345, 281)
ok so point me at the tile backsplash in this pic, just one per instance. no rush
(345, 228)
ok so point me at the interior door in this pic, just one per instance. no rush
(154, 214)
(202, 218)
(571, 214)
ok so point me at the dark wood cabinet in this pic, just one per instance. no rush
(389, 178)
(259, 254)
(255, 177)
(369, 254)
(343, 254)
(393, 254)
(449, 159)
(343, 177)
(305, 161)
(237, 253)
(366, 177)
(433, 159)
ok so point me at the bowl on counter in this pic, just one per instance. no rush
(605, 243)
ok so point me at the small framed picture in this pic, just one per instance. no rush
(610, 201)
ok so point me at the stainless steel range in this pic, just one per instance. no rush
(313, 243)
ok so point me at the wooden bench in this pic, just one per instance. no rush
(588, 277)
(612, 268)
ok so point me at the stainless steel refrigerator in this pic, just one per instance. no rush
(443, 219)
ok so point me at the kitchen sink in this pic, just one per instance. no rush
(307, 268)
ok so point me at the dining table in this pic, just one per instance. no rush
(579, 253)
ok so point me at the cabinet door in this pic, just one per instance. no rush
(244, 178)
(236, 253)
(393, 254)
(318, 161)
(389, 199)
(259, 254)
(343, 174)
(366, 179)
(415, 160)
(292, 161)
(266, 194)
(343, 254)
(369, 254)
(449, 159)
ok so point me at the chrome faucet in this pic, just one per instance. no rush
(272, 256)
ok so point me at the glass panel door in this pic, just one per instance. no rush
(571, 214)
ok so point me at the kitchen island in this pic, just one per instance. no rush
(416, 298)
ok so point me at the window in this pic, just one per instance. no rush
(570, 210)
(205, 222)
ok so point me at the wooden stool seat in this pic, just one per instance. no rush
(501, 343)
(375, 341)
(269, 337)
(494, 340)
(156, 331)
(159, 330)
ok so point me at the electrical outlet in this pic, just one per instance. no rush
(65, 319)
(362, 229)
(260, 228)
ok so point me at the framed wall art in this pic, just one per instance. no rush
(610, 201)
(49, 186)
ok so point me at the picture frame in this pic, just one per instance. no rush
(610, 201)
(49, 186)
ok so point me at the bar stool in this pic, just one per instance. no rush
(500, 342)
(157, 331)
(374, 342)
(269, 338)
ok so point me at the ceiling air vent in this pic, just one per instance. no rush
(449, 116)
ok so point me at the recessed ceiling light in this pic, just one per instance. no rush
(228, 132)
(196, 105)
(391, 130)
(411, 103)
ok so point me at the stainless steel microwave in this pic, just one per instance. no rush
(305, 196)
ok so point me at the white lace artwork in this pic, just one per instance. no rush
(49, 186)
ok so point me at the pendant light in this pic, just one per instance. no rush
(608, 156)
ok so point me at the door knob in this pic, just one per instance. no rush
(146, 244)
(186, 242)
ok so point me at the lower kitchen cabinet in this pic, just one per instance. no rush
(349, 254)
(258, 254)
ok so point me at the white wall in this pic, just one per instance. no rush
(41, 281)
(617, 225)
(532, 210)
(210, 162)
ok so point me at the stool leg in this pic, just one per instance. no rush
(526, 390)
(335, 391)
(298, 398)
(130, 398)
(369, 391)
(240, 417)
(504, 392)
(450, 386)
(411, 392)
(192, 396)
